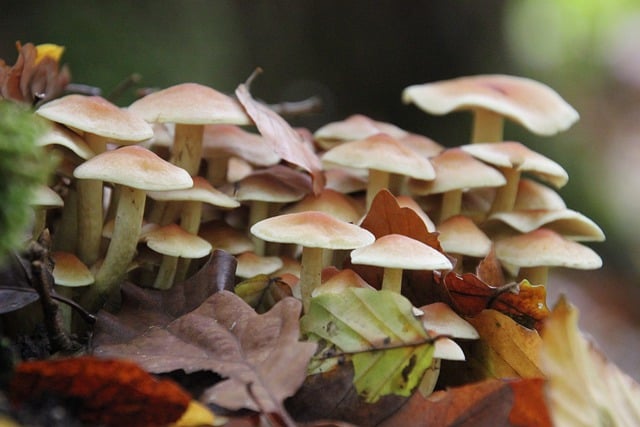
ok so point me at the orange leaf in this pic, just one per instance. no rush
(109, 392)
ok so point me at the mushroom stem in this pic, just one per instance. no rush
(122, 247)
(506, 195)
(166, 272)
(535, 275)
(187, 147)
(190, 222)
(451, 204)
(487, 126)
(217, 168)
(377, 181)
(310, 273)
(65, 237)
(258, 211)
(89, 220)
(392, 280)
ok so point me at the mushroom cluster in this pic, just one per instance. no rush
(150, 190)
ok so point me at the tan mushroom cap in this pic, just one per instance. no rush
(532, 104)
(440, 319)
(172, 240)
(344, 180)
(399, 251)
(516, 155)
(45, 197)
(424, 146)
(566, 222)
(275, 184)
(543, 247)
(201, 191)
(460, 235)
(190, 103)
(58, 135)
(312, 229)
(354, 127)
(224, 237)
(533, 195)
(231, 141)
(330, 202)
(250, 265)
(135, 167)
(340, 281)
(457, 170)
(380, 152)
(69, 271)
(96, 115)
(408, 202)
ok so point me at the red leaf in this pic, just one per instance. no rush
(286, 142)
(110, 392)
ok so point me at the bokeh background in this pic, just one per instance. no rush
(358, 56)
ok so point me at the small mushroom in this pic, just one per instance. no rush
(460, 237)
(491, 98)
(315, 232)
(395, 253)
(353, 128)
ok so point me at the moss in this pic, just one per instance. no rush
(23, 166)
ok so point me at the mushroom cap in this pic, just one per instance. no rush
(354, 127)
(340, 281)
(424, 146)
(460, 235)
(399, 251)
(516, 155)
(344, 180)
(440, 319)
(201, 191)
(135, 167)
(532, 104)
(58, 135)
(408, 202)
(328, 201)
(250, 265)
(543, 247)
(566, 222)
(533, 195)
(173, 240)
(232, 141)
(275, 184)
(69, 271)
(312, 229)
(96, 115)
(448, 166)
(380, 152)
(191, 104)
(45, 197)
(224, 237)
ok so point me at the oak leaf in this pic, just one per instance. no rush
(105, 392)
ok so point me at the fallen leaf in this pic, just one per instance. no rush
(377, 330)
(584, 389)
(491, 403)
(105, 392)
(262, 292)
(286, 142)
(259, 354)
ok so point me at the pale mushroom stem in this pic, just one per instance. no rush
(487, 126)
(392, 280)
(535, 275)
(89, 220)
(166, 273)
(377, 181)
(310, 273)
(65, 238)
(506, 195)
(190, 222)
(217, 168)
(451, 204)
(187, 147)
(258, 211)
(122, 247)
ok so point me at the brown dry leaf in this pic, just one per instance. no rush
(387, 217)
(259, 354)
(490, 403)
(584, 389)
(106, 392)
(505, 349)
(286, 142)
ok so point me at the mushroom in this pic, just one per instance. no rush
(190, 106)
(173, 242)
(136, 170)
(460, 237)
(513, 158)
(491, 98)
(395, 253)
(251, 265)
(69, 271)
(315, 232)
(534, 252)
(328, 201)
(381, 155)
(456, 171)
(353, 128)
(100, 121)
(44, 198)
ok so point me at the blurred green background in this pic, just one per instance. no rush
(359, 55)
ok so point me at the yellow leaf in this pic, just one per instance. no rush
(49, 50)
(196, 415)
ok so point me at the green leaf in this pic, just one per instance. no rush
(389, 348)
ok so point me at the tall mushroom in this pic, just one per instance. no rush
(396, 252)
(315, 232)
(493, 97)
(136, 170)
